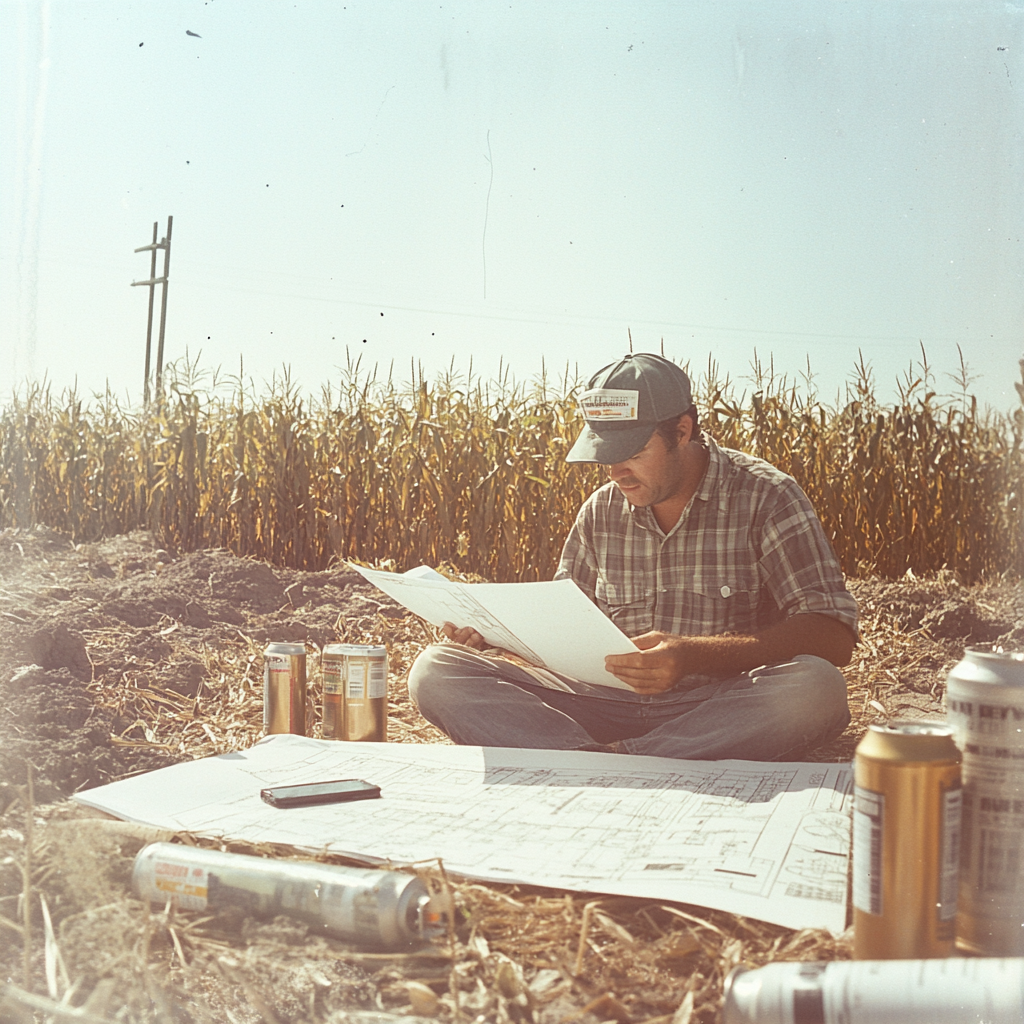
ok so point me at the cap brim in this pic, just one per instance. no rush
(614, 443)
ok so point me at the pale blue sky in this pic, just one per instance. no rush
(516, 181)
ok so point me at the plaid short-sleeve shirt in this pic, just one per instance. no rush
(748, 552)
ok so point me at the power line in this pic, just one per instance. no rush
(533, 317)
(536, 317)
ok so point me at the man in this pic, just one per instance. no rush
(716, 566)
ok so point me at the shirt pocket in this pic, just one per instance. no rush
(630, 605)
(725, 603)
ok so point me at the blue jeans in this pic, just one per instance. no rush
(773, 713)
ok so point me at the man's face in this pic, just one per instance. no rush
(653, 475)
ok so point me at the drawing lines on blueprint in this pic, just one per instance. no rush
(766, 841)
(496, 632)
(816, 862)
(712, 828)
(461, 608)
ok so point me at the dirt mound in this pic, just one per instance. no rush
(202, 587)
(57, 646)
(913, 631)
(214, 586)
(944, 608)
(964, 620)
(91, 636)
(50, 720)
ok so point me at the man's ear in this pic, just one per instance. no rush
(684, 425)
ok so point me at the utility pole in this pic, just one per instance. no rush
(165, 244)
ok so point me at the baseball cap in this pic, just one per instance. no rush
(624, 402)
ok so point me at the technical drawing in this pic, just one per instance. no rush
(761, 840)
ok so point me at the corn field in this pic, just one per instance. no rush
(471, 473)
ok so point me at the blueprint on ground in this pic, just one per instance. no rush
(768, 841)
(554, 624)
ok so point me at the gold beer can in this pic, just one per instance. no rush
(906, 841)
(355, 692)
(284, 688)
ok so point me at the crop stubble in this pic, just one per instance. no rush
(472, 476)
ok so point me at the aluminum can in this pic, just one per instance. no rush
(985, 706)
(906, 841)
(950, 991)
(355, 692)
(284, 688)
(383, 909)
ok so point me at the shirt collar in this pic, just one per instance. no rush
(710, 485)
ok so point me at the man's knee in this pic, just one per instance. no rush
(427, 674)
(811, 685)
(826, 686)
(440, 668)
(821, 674)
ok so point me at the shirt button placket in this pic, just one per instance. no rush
(658, 587)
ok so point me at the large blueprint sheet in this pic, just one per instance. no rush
(769, 841)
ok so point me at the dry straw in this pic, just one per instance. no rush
(521, 955)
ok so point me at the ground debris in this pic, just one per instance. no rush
(172, 671)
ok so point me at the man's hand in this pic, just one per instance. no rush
(664, 659)
(659, 664)
(469, 637)
(465, 635)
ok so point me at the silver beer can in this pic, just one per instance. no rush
(985, 706)
(284, 688)
(384, 909)
(943, 991)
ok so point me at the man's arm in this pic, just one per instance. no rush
(665, 659)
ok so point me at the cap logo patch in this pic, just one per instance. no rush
(602, 404)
